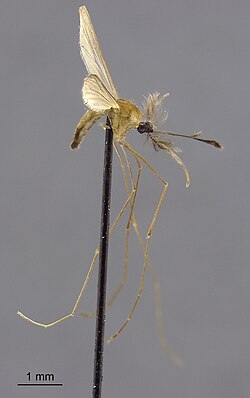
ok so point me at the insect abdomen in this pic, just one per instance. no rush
(86, 122)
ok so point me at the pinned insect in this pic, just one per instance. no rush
(101, 98)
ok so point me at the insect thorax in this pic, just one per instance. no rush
(127, 117)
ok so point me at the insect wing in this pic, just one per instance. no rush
(96, 96)
(91, 52)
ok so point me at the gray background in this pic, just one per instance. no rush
(50, 198)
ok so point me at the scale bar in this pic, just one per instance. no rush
(40, 384)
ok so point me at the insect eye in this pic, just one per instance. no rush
(145, 127)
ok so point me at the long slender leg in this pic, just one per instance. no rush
(72, 313)
(128, 227)
(148, 237)
(156, 283)
(141, 158)
(159, 320)
(135, 185)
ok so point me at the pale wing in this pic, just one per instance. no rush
(96, 96)
(91, 52)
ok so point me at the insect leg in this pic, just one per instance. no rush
(156, 283)
(125, 266)
(90, 315)
(148, 237)
(128, 227)
(72, 313)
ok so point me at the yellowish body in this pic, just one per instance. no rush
(127, 117)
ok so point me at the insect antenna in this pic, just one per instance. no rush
(194, 136)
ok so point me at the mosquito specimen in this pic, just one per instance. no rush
(101, 98)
